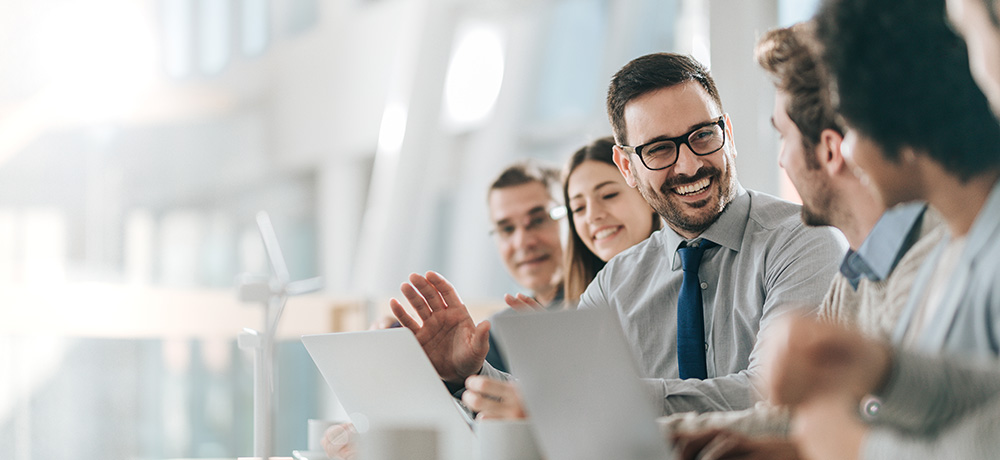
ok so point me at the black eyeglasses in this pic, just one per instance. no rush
(662, 153)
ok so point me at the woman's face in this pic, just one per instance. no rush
(609, 216)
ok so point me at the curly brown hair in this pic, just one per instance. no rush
(788, 56)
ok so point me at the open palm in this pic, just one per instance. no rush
(449, 337)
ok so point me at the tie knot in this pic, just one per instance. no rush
(691, 255)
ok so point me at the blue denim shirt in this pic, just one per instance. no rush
(893, 235)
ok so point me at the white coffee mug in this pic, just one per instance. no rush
(507, 440)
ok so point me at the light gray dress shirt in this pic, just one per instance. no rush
(767, 262)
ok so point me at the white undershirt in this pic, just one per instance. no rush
(936, 288)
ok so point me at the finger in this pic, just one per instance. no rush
(447, 291)
(720, 447)
(429, 291)
(512, 302)
(530, 301)
(516, 303)
(490, 387)
(337, 439)
(481, 339)
(476, 401)
(402, 316)
(690, 444)
(485, 406)
(416, 300)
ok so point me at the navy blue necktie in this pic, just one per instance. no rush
(690, 315)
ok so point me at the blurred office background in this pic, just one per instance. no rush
(138, 138)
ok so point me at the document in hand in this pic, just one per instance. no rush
(384, 379)
(581, 386)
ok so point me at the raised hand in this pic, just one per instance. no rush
(522, 302)
(454, 343)
(493, 398)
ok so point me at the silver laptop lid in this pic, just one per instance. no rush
(581, 386)
(384, 378)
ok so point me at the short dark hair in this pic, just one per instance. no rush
(650, 73)
(901, 77)
(524, 172)
(582, 264)
(786, 54)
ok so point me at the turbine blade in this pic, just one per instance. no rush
(271, 246)
(304, 286)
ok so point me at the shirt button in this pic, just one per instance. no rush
(706, 346)
(704, 285)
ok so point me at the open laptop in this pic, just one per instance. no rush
(581, 386)
(384, 378)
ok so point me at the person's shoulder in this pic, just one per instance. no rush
(772, 213)
(638, 257)
(780, 222)
(649, 247)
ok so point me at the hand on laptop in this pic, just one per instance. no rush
(452, 341)
(522, 303)
(718, 444)
(828, 428)
(338, 441)
(806, 359)
(493, 398)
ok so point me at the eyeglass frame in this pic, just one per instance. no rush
(678, 141)
(536, 221)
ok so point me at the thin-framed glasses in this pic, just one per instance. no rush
(662, 153)
(537, 219)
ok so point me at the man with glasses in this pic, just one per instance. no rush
(524, 216)
(693, 299)
(695, 329)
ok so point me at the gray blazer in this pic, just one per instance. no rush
(967, 322)
(937, 407)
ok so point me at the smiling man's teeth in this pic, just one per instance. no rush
(693, 188)
(605, 233)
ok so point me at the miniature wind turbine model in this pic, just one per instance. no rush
(273, 292)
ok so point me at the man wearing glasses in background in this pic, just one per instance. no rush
(694, 328)
(523, 213)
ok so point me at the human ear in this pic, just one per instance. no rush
(730, 138)
(624, 163)
(828, 152)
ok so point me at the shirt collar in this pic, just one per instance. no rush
(890, 238)
(727, 230)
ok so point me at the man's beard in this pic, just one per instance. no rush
(672, 210)
(818, 215)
